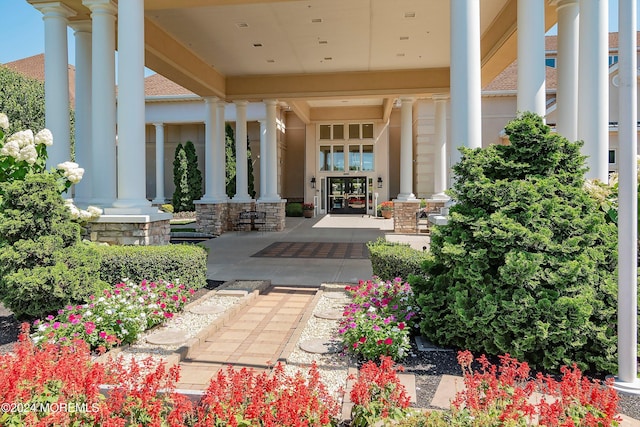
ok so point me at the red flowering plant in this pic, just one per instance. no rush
(116, 317)
(377, 394)
(380, 319)
(245, 398)
(503, 396)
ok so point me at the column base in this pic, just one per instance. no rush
(212, 217)
(142, 210)
(405, 219)
(627, 387)
(139, 230)
(406, 197)
(270, 198)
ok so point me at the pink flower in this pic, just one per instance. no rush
(388, 341)
(56, 325)
(363, 339)
(168, 315)
(401, 325)
(175, 297)
(89, 327)
(376, 328)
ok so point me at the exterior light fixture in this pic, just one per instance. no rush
(379, 182)
(313, 182)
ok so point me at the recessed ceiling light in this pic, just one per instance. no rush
(399, 54)
(323, 42)
(242, 25)
(328, 58)
(409, 14)
(257, 45)
(404, 37)
(271, 61)
(316, 20)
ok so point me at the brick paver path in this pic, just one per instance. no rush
(256, 337)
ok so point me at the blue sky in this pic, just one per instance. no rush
(22, 30)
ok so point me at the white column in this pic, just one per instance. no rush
(465, 76)
(56, 79)
(406, 149)
(103, 101)
(210, 150)
(263, 158)
(440, 143)
(567, 65)
(593, 85)
(131, 121)
(531, 66)
(220, 154)
(627, 379)
(159, 164)
(242, 171)
(83, 145)
(272, 154)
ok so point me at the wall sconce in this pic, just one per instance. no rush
(313, 182)
(379, 182)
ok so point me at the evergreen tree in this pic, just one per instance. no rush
(527, 263)
(182, 201)
(251, 179)
(230, 154)
(194, 176)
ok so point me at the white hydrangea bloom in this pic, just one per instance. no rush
(44, 137)
(28, 154)
(94, 211)
(23, 138)
(4, 121)
(10, 149)
(71, 171)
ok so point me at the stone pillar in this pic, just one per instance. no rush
(56, 79)
(465, 76)
(83, 145)
(593, 85)
(272, 154)
(159, 200)
(242, 171)
(406, 150)
(440, 157)
(567, 94)
(103, 102)
(131, 120)
(531, 66)
(627, 379)
(263, 158)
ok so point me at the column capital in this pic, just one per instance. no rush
(211, 99)
(562, 3)
(407, 100)
(54, 9)
(81, 26)
(270, 101)
(440, 97)
(158, 124)
(241, 102)
(100, 6)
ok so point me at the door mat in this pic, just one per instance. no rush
(314, 250)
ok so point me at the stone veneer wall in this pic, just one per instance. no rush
(136, 232)
(404, 216)
(234, 211)
(212, 218)
(275, 215)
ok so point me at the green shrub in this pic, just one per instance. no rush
(527, 263)
(43, 267)
(181, 200)
(184, 263)
(293, 209)
(390, 260)
(167, 207)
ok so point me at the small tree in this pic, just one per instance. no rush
(182, 201)
(251, 180)
(527, 263)
(230, 155)
(194, 176)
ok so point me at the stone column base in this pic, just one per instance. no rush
(275, 215)
(143, 230)
(212, 218)
(233, 218)
(404, 216)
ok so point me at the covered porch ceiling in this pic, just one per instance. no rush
(317, 55)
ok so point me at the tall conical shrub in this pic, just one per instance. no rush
(194, 176)
(182, 201)
(527, 263)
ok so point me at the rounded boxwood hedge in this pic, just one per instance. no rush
(527, 264)
(390, 260)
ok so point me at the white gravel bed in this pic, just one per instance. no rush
(189, 323)
(333, 367)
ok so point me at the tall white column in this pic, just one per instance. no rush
(103, 101)
(593, 85)
(567, 94)
(440, 143)
(263, 158)
(242, 170)
(83, 145)
(56, 79)
(465, 76)
(159, 164)
(406, 149)
(627, 379)
(272, 153)
(214, 178)
(131, 121)
(531, 66)
(220, 156)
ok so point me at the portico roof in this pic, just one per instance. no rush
(316, 54)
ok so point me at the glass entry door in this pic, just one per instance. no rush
(347, 195)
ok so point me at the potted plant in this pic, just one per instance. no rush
(386, 209)
(307, 210)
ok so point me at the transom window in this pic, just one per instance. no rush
(356, 157)
(353, 131)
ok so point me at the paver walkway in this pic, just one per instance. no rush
(256, 337)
